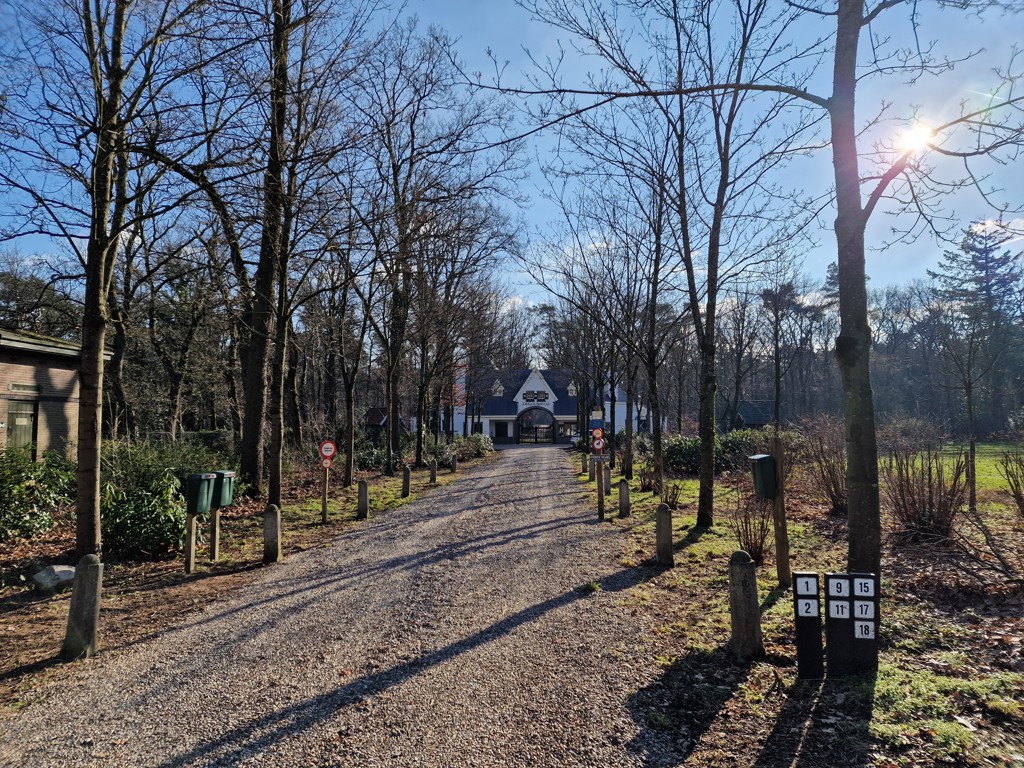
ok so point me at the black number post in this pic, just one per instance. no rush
(851, 624)
(810, 660)
(865, 622)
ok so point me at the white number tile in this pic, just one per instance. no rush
(807, 608)
(864, 630)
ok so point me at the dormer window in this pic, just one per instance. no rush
(498, 390)
(572, 389)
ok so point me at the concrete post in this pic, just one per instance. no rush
(272, 552)
(593, 469)
(455, 465)
(363, 503)
(607, 479)
(81, 640)
(433, 471)
(406, 481)
(744, 608)
(625, 505)
(600, 502)
(214, 535)
(190, 543)
(663, 536)
(583, 463)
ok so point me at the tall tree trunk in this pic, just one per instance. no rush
(706, 433)
(854, 342)
(627, 455)
(293, 415)
(611, 432)
(261, 312)
(350, 433)
(122, 418)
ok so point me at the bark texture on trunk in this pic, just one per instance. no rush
(854, 342)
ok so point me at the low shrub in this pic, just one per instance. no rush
(142, 509)
(30, 491)
(734, 449)
(925, 493)
(473, 447)
(374, 458)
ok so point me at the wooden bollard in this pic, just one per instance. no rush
(363, 502)
(455, 465)
(663, 536)
(433, 471)
(214, 535)
(625, 505)
(600, 502)
(406, 481)
(744, 608)
(272, 552)
(190, 543)
(593, 469)
(607, 479)
(583, 463)
(81, 639)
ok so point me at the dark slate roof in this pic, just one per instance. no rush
(756, 412)
(512, 381)
(565, 405)
(375, 417)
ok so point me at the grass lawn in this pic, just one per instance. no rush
(950, 684)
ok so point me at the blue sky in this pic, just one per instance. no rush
(504, 28)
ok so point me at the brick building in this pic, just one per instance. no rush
(39, 392)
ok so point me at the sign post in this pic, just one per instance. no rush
(851, 626)
(328, 450)
(810, 659)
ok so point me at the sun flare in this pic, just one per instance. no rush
(916, 138)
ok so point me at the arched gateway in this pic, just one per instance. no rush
(536, 425)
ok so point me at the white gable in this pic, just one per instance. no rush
(535, 392)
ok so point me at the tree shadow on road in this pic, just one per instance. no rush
(289, 721)
(677, 709)
(822, 723)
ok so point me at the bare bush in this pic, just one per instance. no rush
(825, 443)
(1011, 467)
(909, 434)
(926, 493)
(670, 495)
(751, 523)
(649, 480)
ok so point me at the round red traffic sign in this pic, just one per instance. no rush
(597, 434)
(599, 444)
(328, 449)
(326, 463)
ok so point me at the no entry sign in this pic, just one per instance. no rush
(328, 449)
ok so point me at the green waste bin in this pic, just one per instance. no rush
(199, 492)
(763, 467)
(223, 489)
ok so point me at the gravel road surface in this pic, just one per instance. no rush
(455, 631)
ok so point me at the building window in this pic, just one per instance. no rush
(498, 390)
(572, 389)
(535, 397)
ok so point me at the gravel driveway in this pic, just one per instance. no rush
(454, 631)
